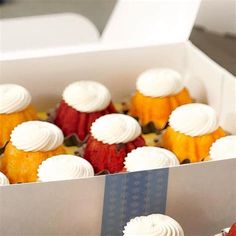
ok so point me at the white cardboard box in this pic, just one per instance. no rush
(200, 196)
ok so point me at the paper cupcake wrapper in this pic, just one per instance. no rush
(2, 149)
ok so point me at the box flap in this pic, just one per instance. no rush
(132, 23)
(151, 21)
(45, 32)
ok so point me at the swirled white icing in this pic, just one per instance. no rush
(223, 148)
(63, 167)
(115, 128)
(146, 158)
(159, 82)
(194, 119)
(153, 225)
(87, 96)
(33, 136)
(13, 98)
(3, 179)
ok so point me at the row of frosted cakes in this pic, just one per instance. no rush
(160, 126)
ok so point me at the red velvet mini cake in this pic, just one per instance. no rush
(112, 137)
(83, 102)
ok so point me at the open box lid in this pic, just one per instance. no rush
(45, 32)
(132, 23)
(143, 22)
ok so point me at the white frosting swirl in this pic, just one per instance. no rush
(64, 167)
(153, 225)
(194, 119)
(13, 98)
(33, 136)
(159, 82)
(223, 148)
(147, 158)
(115, 128)
(3, 179)
(87, 96)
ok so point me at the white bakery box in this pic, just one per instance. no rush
(138, 36)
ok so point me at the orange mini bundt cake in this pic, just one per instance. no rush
(83, 102)
(31, 143)
(158, 93)
(192, 130)
(112, 137)
(15, 108)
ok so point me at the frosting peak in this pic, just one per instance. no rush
(33, 136)
(159, 82)
(153, 225)
(3, 179)
(194, 119)
(146, 158)
(223, 148)
(64, 167)
(115, 128)
(13, 98)
(87, 96)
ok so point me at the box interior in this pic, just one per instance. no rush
(118, 69)
(66, 206)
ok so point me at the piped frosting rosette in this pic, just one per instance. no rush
(153, 225)
(87, 96)
(159, 82)
(223, 148)
(64, 167)
(13, 98)
(115, 128)
(3, 179)
(146, 158)
(194, 119)
(33, 136)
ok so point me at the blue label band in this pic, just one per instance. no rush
(132, 194)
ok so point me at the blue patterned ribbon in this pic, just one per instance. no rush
(132, 194)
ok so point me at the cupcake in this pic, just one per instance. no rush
(153, 225)
(158, 93)
(31, 143)
(15, 108)
(112, 137)
(147, 158)
(223, 148)
(192, 130)
(82, 103)
(3, 179)
(64, 167)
